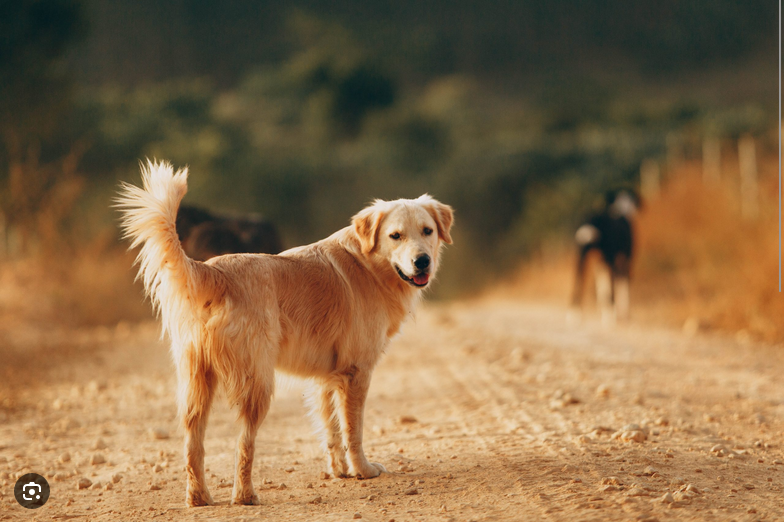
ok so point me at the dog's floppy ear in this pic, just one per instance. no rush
(443, 216)
(366, 224)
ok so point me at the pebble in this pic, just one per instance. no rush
(412, 491)
(158, 433)
(97, 485)
(683, 496)
(718, 448)
(603, 391)
(677, 481)
(97, 458)
(84, 483)
(60, 476)
(633, 436)
(309, 485)
(158, 468)
(282, 486)
(93, 387)
(65, 457)
(662, 421)
(65, 424)
(316, 500)
(289, 470)
(108, 486)
(99, 444)
(407, 419)
(357, 515)
(636, 492)
(154, 487)
(324, 475)
(117, 477)
(609, 488)
(667, 498)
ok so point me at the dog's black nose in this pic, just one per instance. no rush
(422, 261)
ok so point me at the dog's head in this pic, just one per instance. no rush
(622, 202)
(408, 233)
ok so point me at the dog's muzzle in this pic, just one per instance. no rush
(419, 279)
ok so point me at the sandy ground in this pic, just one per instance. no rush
(490, 410)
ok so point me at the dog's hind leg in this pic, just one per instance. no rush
(621, 286)
(199, 387)
(321, 400)
(621, 290)
(254, 405)
(604, 293)
(352, 392)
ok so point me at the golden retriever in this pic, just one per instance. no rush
(324, 311)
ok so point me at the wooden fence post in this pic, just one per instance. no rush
(749, 188)
(650, 179)
(711, 161)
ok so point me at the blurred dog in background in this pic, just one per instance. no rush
(204, 234)
(605, 242)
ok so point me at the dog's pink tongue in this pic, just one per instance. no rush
(421, 279)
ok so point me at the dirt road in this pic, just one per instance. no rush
(486, 410)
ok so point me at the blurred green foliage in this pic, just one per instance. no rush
(310, 140)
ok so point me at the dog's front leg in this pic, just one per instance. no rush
(352, 395)
(325, 418)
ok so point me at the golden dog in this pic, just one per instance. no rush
(324, 311)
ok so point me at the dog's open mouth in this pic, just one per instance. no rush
(418, 280)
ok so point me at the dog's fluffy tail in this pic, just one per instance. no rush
(172, 280)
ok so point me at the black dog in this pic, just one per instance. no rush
(204, 235)
(609, 233)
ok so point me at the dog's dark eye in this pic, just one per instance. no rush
(427, 231)
(395, 236)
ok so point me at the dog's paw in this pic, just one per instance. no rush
(245, 499)
(198, 498)
(371, 470)
(337, 466)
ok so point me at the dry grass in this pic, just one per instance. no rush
(697, 260)
(92, 287)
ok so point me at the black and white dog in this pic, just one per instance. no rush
(608, 235)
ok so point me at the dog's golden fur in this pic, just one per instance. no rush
(324, 311)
